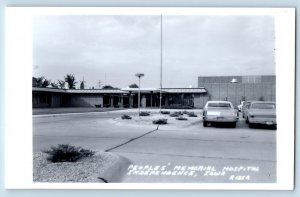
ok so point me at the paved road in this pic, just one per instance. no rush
(177, 152)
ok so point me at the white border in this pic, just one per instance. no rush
(18, 72)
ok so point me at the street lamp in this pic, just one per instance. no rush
(234, 81)
(139, 75)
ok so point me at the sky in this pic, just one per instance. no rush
(111, 49)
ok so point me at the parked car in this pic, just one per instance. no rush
(261, 112)
(245, 106)
(219, 111)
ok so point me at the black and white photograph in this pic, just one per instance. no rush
(162, 97)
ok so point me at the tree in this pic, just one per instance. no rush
(61, 84)
(37, 81)
(82, 85)
(46, 83)
(40, 82)
(108, 87)
(70, 80)
(54, 85)
(133, 85)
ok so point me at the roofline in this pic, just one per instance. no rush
(110, 91)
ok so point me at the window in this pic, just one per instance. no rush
(263, 106)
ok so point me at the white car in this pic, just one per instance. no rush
(219, 111)
(261, 112)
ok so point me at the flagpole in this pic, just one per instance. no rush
(160, 96)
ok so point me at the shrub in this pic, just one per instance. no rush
(67, 153)
(192, 114)
(144, 113)
(181, 118)
(185, 112)
(160, 121)
(125, 116)
(176, 114)
(177, 106)
(165, 112)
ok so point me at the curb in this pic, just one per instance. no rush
(116, 172)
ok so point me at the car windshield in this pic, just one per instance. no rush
(222, 105)
(263, 106)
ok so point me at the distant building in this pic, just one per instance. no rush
(238, 88)
(126, 97)
(231, 88)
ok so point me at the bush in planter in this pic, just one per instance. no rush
(181, 118)
(67, 153)
(165, 112)
(160, 121)
(144, 113)
(192, 114)
(177, 106)
(176, 114)
(125, 116)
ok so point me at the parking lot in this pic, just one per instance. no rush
(191, 152)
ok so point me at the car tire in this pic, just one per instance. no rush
(205, 124)
(251, 125)
(233, 125)
(247, 121)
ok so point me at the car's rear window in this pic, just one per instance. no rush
(263, 106)
(225, 105)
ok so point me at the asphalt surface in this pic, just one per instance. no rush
(178, 152)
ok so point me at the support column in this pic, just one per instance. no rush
(130, 100)
(151, 99)
(143, 101)
(111, 101)
(121, 103)
(166, 101)
(101, 100)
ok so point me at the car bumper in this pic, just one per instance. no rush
(264, 121)
(220, 118)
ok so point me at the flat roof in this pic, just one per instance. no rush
(121, 91)
(95, 91)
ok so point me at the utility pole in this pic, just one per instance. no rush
(160, 93)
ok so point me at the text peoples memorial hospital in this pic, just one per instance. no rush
(229, 88)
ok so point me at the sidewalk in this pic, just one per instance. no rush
(65, 110)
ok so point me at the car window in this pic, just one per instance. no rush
(223, 105)
(263, 106)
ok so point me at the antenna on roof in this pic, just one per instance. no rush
(82, 86)
(99, 84)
